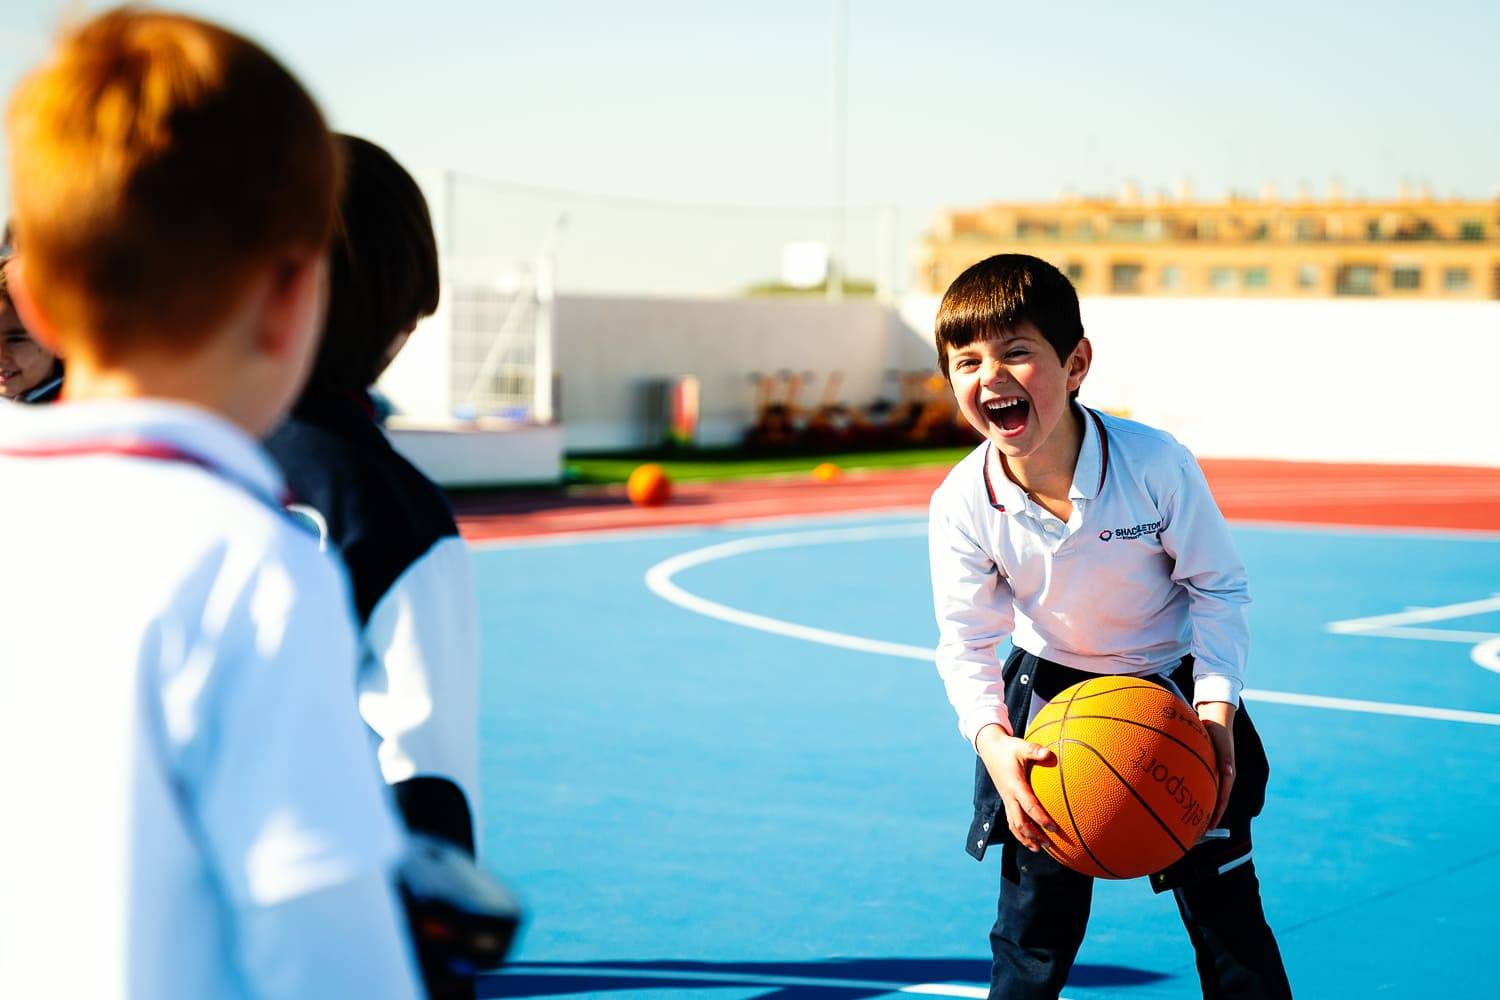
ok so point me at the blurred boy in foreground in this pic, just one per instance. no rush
(193, 809)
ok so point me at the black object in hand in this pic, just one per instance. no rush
(462, 919)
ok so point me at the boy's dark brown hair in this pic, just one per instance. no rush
(1002, 292)
(157, 162)
(383, 268)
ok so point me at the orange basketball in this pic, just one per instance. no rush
(1135, 781)
(648, 486)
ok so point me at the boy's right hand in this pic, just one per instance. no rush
(1006, 758)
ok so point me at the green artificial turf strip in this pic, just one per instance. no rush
(708, 466)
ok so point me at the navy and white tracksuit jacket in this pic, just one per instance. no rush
(414, 595)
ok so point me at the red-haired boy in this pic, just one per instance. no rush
(194, 809)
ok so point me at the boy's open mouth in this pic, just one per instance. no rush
(1009, 414)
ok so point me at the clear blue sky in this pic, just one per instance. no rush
(948, 102)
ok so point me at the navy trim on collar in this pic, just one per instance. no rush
(988, 486)
(1103, 448)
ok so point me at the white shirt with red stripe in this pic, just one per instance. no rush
(193, 808)
(1142, 574)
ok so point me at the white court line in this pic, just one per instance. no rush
(1426, 634)
(1413, 615)
(659, 581)
(1375, 707)
(749, 979)
(1487, 654)
(1486, 651)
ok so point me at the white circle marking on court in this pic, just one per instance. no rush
(1487, 654)
(659, 581)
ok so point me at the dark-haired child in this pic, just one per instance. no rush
(1094, 545)
(394, 529)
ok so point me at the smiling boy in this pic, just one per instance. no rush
(1094, 545)
(29, 373)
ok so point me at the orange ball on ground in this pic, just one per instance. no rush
(826, 472)
(648, 486)
(1136, 778)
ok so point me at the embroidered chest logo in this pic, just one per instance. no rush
(1150, 528)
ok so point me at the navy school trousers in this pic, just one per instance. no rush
(1044, 907)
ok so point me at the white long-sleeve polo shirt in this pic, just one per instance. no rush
(1142, 574)
(194, 806)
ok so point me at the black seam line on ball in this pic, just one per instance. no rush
(1137, 795)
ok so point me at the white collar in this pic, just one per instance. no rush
(200, 436)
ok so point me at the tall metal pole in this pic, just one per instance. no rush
(835, 281)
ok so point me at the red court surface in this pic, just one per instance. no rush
(1439, 497)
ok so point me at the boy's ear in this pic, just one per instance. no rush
(294, 302)
(1079, 363)
(36, 322)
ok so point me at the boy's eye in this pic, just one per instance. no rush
(1019, 352)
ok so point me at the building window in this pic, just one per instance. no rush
(1406, 278)
(1074, 271)
(1471, 229)
(1127, 227)
(1260, 230)
(1457, 279)
(1125, 278)
(1413, 229)
(1355, 279)
(1171, 278)
(1309, 276)
(1372, 229)
(1083, 230)
(1221, 279)
(1309, 229)
(1255, 277)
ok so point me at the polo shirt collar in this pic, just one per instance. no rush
(208, 438)
(1088, 475)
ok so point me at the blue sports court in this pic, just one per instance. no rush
(716, 765)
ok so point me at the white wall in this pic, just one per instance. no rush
(608, 350)
(1330, 379)
(466, 455)
(418, 380)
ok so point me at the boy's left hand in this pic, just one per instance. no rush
(1218, 719)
